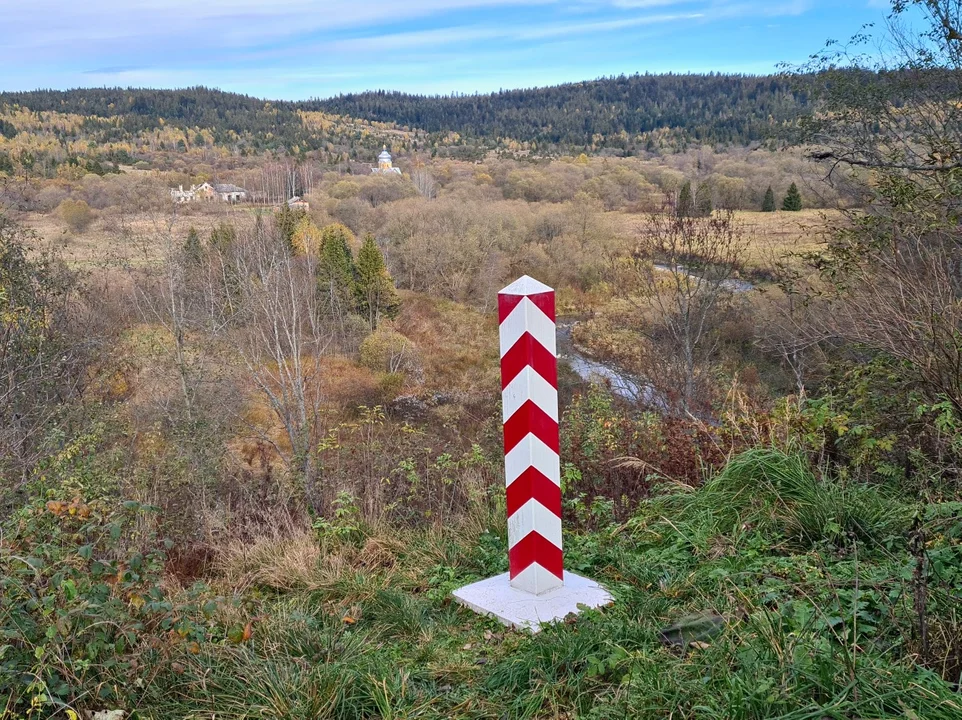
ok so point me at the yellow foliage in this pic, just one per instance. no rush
(306, 239)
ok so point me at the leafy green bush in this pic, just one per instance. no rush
(84, 620)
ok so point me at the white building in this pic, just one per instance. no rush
(384, 164)
(230, 193)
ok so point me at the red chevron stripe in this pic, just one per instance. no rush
(544, 301)
(528, 352)
(533, 548)
(529, 418)
(532, 483)
(507, 303)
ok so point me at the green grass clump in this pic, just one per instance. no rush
(779, 495)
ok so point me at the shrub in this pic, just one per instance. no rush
(76, 215)
(387, 350)
(83, 616)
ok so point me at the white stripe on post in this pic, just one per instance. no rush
(529, 382)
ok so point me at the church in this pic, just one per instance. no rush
(385, 165)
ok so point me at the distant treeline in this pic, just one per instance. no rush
(117, 114)
(609, 112)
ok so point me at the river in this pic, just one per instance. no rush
(621, 382)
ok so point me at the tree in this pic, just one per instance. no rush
(306, 238)
(286, 221)
(768, 204)
(678, 278)
(192, 247)
(76, 215)
(222, 237)
(336, 273)
(42, 364)
(703, 203)
(792, 201)
(425, 183)
(887, 129)
(282, 334)
(686, 201)
(376, 296)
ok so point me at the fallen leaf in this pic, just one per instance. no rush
(349, 620)
(466, 647)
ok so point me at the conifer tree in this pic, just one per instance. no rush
(222, 237)
(336, 271)
(376, 296)
(686, 201)
(792, 201)
(768, 204)
(192, 249)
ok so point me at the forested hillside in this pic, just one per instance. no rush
(627, 114)
(609, 112)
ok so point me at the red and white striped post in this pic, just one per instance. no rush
(536, 590)
(529, 394)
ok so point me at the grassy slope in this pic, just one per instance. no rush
(360, 624)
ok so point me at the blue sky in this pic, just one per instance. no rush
(294, 49)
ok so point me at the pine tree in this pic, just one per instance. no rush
(336, 271)
(768, 204)
(686, 201)
(376, 296)
(222, 237)
(192, 249)
(792, 201)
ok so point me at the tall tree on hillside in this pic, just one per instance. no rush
(793, 200)
(376, 296)
(895, 263)
(686, 201)
(286, 221)
(768, 204)
(336, 272)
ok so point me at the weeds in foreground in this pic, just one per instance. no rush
(769, 593)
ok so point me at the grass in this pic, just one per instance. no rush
(724, 608)
(770, 235)
(806, 622)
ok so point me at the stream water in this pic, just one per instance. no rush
(621, 382)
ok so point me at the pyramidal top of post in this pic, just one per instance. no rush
(526, 285)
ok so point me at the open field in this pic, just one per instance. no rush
(140, 238)
(769, 236)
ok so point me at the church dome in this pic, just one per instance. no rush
(385, 155)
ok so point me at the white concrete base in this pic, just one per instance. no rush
(520, 609)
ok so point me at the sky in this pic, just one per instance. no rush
(299, 49)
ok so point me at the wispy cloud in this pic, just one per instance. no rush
(297, 48)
